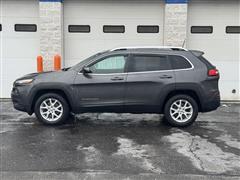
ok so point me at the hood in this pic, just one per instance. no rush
(32, 75)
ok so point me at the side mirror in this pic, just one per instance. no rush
(86, 70)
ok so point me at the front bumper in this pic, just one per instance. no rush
(19, 99)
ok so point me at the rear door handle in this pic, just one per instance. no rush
(117, 78)
(165, 76)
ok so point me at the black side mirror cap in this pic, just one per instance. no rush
(86, 70)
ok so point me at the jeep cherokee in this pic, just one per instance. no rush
(172, 81)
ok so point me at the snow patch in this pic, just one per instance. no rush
(92, 155)
(136, 154)
(229, 140)
(204, 155)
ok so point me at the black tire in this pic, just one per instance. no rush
(174, 122)
(65, 109)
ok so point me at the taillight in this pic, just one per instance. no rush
(213, 72)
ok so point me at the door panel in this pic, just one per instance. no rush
(145, 89)
(100, 91)
(103, 88)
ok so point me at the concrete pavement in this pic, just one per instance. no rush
(120, 146)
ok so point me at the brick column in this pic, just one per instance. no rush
(175, 22)
(51, 31)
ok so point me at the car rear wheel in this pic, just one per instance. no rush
(181, 110)
(51, 109)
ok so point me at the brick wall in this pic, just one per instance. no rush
(175, 24)
(51, 31)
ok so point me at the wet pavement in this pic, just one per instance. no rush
(118, 146)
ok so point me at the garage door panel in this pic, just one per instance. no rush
(221, 48)
(100, 13)
(22, 8)
(77, 52)
(13, 67)
(225, 66)
(108, 9)
(96, 27)
(226, 88)
(14, 48)
(18, 49)
(216, 49)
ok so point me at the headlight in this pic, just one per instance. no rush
(24, 81)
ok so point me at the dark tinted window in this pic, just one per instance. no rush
(113, 29)
(26, 27)
(233, 29)
(179, 62)
(0, 27)
(140, 63)
(202, 29)
(79, 28)
(148, 29)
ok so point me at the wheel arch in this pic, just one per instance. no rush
(40, 92)
(189, 92)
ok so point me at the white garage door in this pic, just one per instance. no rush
(108, 24)
(19, 41)
(220, 20)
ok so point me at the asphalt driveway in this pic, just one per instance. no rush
(117, 146)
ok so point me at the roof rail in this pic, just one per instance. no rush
(149, 47)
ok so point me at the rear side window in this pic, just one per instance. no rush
(179, 62)
(140, 63)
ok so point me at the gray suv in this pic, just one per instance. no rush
(175, 82)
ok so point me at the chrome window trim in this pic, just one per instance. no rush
(148, 47)
(147, 72)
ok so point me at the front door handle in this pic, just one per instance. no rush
(165, 76)
(117, 78)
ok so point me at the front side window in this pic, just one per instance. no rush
(179, 62)
(141, 63)
(113, 64)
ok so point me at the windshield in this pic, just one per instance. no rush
(85, 61)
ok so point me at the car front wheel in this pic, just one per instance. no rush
(51, 109)
(181, 110)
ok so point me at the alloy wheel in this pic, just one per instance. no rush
(51, 109)
(181, 110)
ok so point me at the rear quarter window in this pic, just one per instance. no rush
(206, 62)
(179, 62)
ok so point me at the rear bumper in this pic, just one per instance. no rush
(212, 102)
